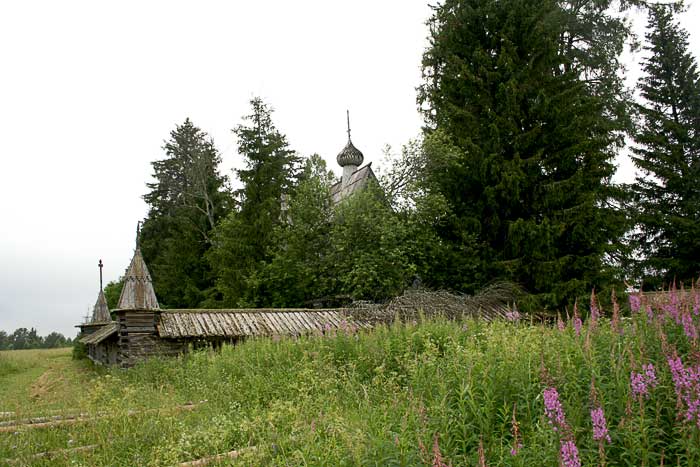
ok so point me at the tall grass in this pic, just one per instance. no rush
(408, 394)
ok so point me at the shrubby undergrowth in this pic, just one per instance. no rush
(618, 391)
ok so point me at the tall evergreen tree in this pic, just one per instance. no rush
(245, 237)
(186, 201)
(520, 96)
(668, 154)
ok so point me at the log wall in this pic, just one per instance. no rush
(138, 338)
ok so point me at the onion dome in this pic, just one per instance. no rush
(350, 155)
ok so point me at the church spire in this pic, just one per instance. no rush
(100, 313)
(138, 293)
(350, 158)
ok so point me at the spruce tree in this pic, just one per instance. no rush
(668, 154)
(186, 201)
(245, 238)
(527, 143)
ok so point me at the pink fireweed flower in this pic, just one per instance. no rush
(688, 325)
(513, 315)
(678, 374)
(569, 454)
(650, 312)
(560, 323)
(635, 302)
(686, 382)
(553, 409)
(641, 383)
(600, 426)
(672, 307)
(577, 323)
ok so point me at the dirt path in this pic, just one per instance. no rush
(42, 381)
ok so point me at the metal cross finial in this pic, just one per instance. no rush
(100, 266)
(87, 317)
(348, 114)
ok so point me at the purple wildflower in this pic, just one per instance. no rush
(641, 383)
(569, 454)
(650, 312)
(600, 426)
(688, 325)
(673, 307)
(553, 409)
(686, 382)
(513, 315)
(577, 320)
(678, 374)
(635, 302)
(560, 323)
(639, 388)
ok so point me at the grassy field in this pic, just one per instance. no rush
(435, 393)
(41, 381)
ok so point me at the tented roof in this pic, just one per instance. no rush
(138, 293)
(100, 313)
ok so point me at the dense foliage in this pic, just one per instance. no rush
(23, 338)
(530, 140)
(668, 153)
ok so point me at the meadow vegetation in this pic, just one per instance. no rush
(433, 393)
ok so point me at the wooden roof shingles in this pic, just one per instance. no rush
(101, 334)
(358, 181)
(138, 293)
(245, 322)
(100, 313)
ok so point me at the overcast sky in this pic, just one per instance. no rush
(89, 90)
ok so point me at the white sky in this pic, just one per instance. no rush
(89, 90)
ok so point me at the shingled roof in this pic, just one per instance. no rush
(251, 322)
(138, 293)
(100, 313)
(101, 334)
(358, 181)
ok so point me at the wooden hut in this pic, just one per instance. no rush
(142, 329)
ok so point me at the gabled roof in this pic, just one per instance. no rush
(138, 293)
(101, 334)
(100, 313)
(251, 322)
(358, 181)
